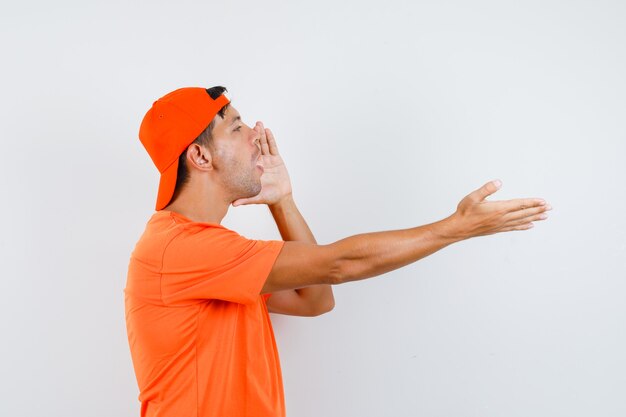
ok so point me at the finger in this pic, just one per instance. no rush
(522, 204)
(520, 222)
(244, 201)
(241, 202)
(257, 129)
(271, 142)
(263, 139)
(527, 212)
(264, 147)
(525, 226)
(485, 191)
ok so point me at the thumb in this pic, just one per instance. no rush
(244, 201)
(486, 190)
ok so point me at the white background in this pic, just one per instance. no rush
(387, 114)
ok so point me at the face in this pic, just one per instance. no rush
(236, 153)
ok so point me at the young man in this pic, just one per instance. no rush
(198, 294)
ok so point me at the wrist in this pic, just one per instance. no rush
(283, 202)
(451, 228)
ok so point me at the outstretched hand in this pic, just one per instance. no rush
(275, 182)
(477, 217)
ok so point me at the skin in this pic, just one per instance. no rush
(242, 166)
(372, 254)
(229, 172)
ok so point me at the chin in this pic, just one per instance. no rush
(252, 190)
(258, 188)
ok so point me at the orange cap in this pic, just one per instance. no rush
(172, 123)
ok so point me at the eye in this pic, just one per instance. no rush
(239, 128)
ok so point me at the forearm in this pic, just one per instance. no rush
(292, 226)
(371, 254)
(290, 222)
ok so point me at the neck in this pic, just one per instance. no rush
(200, 204)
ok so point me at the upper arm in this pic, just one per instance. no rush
(301, 264)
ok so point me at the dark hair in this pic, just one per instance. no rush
(204, 139)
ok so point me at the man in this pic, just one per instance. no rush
(198, 294)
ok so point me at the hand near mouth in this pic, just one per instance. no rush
(275, 182)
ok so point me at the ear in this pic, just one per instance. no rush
(199, 157)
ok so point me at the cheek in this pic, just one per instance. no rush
(229, 157)
(224, 154)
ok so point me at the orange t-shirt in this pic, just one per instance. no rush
(199, 332)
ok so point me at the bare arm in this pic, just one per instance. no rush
(371, 254)
(353, 258)
(313, 300)
(276, 192)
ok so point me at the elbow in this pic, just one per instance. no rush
(325, 302)
(338, 273)
(345, 266)
(326, 308)
(335, 265)
(329, 306)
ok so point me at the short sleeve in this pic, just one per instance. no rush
(215, 263)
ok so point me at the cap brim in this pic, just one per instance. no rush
(167, 184)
